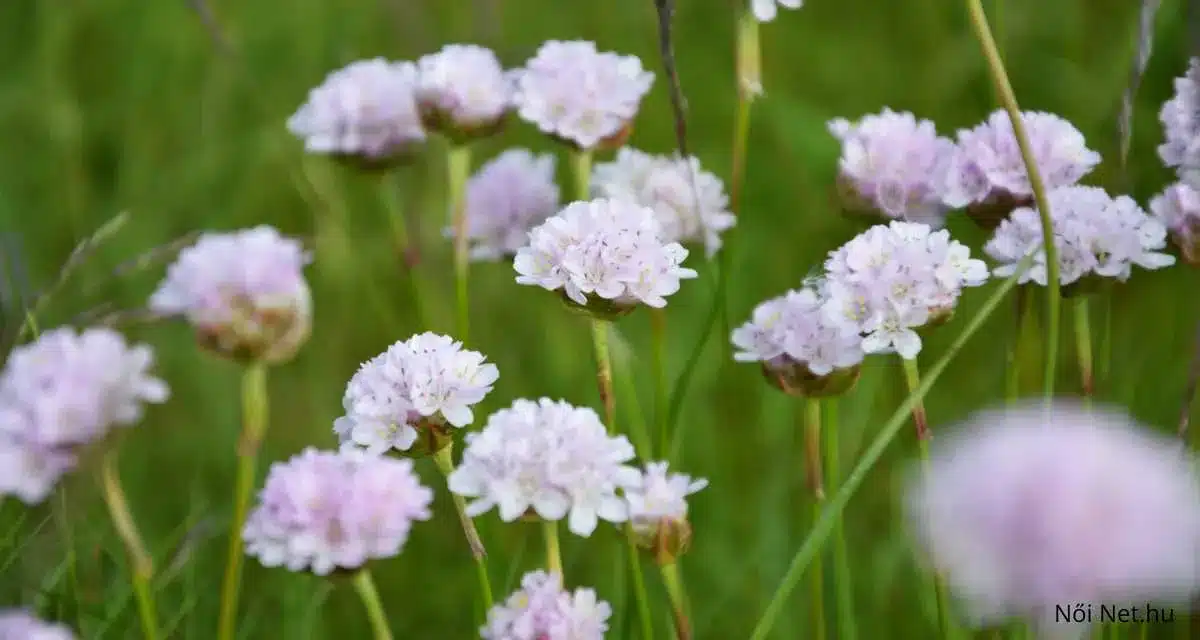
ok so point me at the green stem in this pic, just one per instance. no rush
(1012, 389)
(824, 525)
(639, 585)
(678, 596)
(553, 553)
(254, 427)
(1104, 358)
(1083, 347)
(1009, 101)
(444, 459)
(458, 171)
(405, 247)
(604, 379)
(658, 326)
(141, 564)
(365, 587)
(67, 531)
(749, 85)
(581, 171)
(812, 463)
(847, 628)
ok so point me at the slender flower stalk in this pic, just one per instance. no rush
(816, 483)
(254, 426)
(658, 328)
(444, 459)
(553, 552)
(1083, 347)
(678, 596)
(1022, 304)
(581, 172)
(365, 587)
(847, 625)
(749, 86)
(141, 563)
(1008, 99)
(458, 171)
(406, 248)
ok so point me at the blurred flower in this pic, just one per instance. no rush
(324, 511)
(611, 250)
(658, 510)
(365, 111)
(1180, 117)
(987, 173)
(244, 292)
(547, 457)
(893, 279)
(584, 97)
(542, 610)
(62, 392)
(764, 10)
(1036, 506)
(1178, 209)
(1093, 232)
(463, 91)
(16, 624)
(665, 185)
(416, 387)
(509, 195)
(895, 165)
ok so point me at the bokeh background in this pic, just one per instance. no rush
(174, 111)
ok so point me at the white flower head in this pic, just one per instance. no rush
(542, 610)
(17, 624)
(658, 510)
(1178, 208)
(546, 458)
(765, 10)
(463, 90)
(1094, 233)
(366, 110)
(607, 252)
(506, 198)
(1180, 118)
(893, 279)
(665, 185)
(582, 96)
(415, 388)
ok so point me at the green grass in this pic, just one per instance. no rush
(115, 105)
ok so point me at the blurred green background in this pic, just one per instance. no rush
(116, 105)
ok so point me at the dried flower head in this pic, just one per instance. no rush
(606, 256)
(987, 173)
(509, 196)
(463, 91)
(893, 165)
(658, 510)
(65, 391)
(244, 292)
(415, 388)
(665, 185)
(1095, 234)
(324, 511)
(1180, 117)
(17, 624)
(542, 610)
(765, 10)
(549, 458)
(1036, 506)
(365, 112)
(581, 96)
(893, 279)
(1178, 209)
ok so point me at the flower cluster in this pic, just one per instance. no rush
(1181, 126)
(463, 90)
(1178, 209)
(1034, 506)
(1094, 233)
(16, 624)
(895, 165)
(608, 249)
(416, 387)
(244, 292)
(62, 392)
(323, 511)
(665, 185)
(550, 458)
(582, 96)
(542, 610)
(895, 278)
(509, 195)
(765, 10)
(366, 111)
(658, 509)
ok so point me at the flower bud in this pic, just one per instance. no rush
(433, 435)
(795, 379)
(271, 335)
(667, 540)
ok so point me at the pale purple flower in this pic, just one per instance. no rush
(895, 164)
(463, 89)
(542, 610)
(765, 10)
(795, 330)
(424, 382)
(1094, 233)
(243, 291)
(65, 391)
(573, 92)
(366, 109)
(1178, 209)
(548, 457)
(322, 511)
(1035, 506)
(607, 249)
(1180, 118)
(657, 496)
(17, 624)
(506, 198)
(665, 185)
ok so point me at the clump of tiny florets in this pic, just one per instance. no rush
(765, 10)
(1178, 209)
(1094, 233)
(324, 511)
(893, 165)
(1180, 118)
(658, 510)
(463, 91)
(546, 458)
(244, 292)
(415, 390)
(509, 196)
(365, 113)
(542, 610)
(1034, 507)
(893, 279)
(61, 393)
(17, 624)
(581, 96)
(665, 184)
